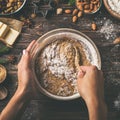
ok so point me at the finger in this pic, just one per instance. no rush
(88, 68)
(25, 59)
(30, 45)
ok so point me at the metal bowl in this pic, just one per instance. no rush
(18, 10)
(90, 48)
(112, 12)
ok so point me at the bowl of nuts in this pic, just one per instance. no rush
(89, 6)
(9, 7)
(56, 58)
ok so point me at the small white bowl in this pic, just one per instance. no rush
(89, 46)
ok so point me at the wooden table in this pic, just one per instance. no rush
(45, 108)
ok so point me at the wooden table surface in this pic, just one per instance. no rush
(44, 108)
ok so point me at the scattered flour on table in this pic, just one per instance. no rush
(117, 103)
(109, 29)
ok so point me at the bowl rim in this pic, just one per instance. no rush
(5, 73)
(112, 12)
(40, 88)
(16, 10)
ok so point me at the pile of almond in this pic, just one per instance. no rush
(88, 6)
(83, 6)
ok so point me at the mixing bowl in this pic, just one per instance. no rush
(90, 49)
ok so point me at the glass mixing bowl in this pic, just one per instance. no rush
(90, 49)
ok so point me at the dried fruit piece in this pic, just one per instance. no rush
(74, 19)
(75, 11)
(116, 41)
(68, 11)
(94, 26)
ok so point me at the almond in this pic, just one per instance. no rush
(68, 11)
(80, 13)
(116, 41)
(75, 11)
(94, 26)
(74, 19)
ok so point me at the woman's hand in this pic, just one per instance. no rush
(26, 81)
(91, 88)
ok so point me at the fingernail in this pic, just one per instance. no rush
(24, 51)
(80, 73)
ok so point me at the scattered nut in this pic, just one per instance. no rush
(116, 41)
(94, 26)
(59, 11)
(74, 19)
(68, 11)
(75, 11)
(80, 13)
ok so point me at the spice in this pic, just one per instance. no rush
(88, 6)
(115, 5)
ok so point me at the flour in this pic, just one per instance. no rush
(115, 5)
(109, 29)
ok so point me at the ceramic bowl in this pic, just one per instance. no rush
(112, 12)
(90, 48)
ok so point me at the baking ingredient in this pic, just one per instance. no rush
(10, 6)
(74, 19)
(33, 15)
(8, 35)
(11, 37)
(3, 93)
(116, 41)
(80, 14)
(3, 30)
(88, 6)
(94, 26)
(59, 11)
(68, 11)
(115, 5)
(2, 73)
(57, 65)
(75, 11)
